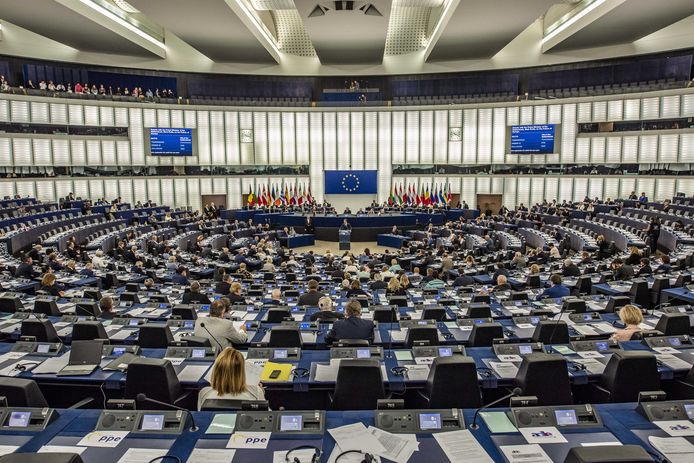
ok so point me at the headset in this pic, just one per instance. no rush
(300, 372)
(27, 366)
(577, 366)
(399, 371)
(368, 458)
(314, 459)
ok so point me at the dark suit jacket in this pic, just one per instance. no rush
(310, 298)
(223, 288)
(24, 270)
(195, 298)
(572, 271)
(463, 280)
(326, 316)
(351, 328)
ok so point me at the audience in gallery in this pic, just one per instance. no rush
(86, 89)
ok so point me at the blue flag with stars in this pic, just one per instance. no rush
(351, 182)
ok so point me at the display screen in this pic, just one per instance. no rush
(363, 353)
(689, 408)
(205, 307)
(587, 317)
(534, 320)
(280, 353)
(188, 324)
(445, 351)
(305, 326)
(197, 353)
(291, 423)
(565, 417)
(602, 346)
(43, 348)
(133, 322)
(171, 142)
(525, 349)
(675, 342)
(118, 351)
(429, 421)
(152, 423)
(19, 419)
(532, 139)
(249, 325)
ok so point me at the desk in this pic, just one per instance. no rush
(391, 241)
(298, 241)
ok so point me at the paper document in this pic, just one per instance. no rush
(281, 456)
(398, 335)
(175, 360)
(543, 435)
(590, 354)
(676, 428)
(586, 330)
(211, 456)
(666, 350)
(326, 372)
(61, 449)
(253, 372)
(417, 372)
(532, 453)
(141, 455)
(121, 335)
(510, 358)
(403, 355)
(357, 437)
(52, 365)
(462, 447)
(7, 449)
(192, 373)
(397, 448)
(348, 458)
(424, 360)
(604, 327)
(504, 369)
(675, 449)
(593, 366)
(673, 362)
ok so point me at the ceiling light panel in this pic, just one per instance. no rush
(267, 5)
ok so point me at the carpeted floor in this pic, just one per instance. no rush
(357, 248)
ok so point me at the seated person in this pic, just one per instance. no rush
(378, 282)
(180, 277)
(502, 284)
(570, 269)
(106, 307)
(645, 267)
(194, 296)
(462, 279)
(352, 327)
(556, 290)
(88, 270)
(394, 288)
(235, 296)
(224, 285)
(355, 290)
(327, 313)
(50, 285)
(632, 317)
(664, 266)
(26, 269)
(312, 296)
(275, 298)
(217, 329)
(435, 282)
(622, 271)
(228, 380)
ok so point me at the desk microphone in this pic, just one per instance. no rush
(202, 325)
(662, 304)
(554, 328)
(515, 392)
(143, 398)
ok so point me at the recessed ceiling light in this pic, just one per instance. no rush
(125, 6)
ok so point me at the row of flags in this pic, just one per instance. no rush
(280, 195)
(425, 196)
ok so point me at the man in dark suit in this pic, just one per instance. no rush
(312, 296)
(622, 271)
(26, 268)
(570, 269)
(327, 313)
(345, 225)
(224, 286)
(353, 327)
(462, 279)
(194, 296)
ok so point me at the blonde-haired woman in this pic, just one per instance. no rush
(632, 317)
(394, 288)
(228, 380)
(50, 286)
(405, 282)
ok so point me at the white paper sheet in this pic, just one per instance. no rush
(462, 447)
(211, 456)
(543, 435)
(531, 453)
(61, 449)
(590, 354)
(675, 449)
(135, 455)
(397, 448)
(418, 372)
(676, 428)
(673, 362)
(357, 437)
(7, 449)
(504, 369)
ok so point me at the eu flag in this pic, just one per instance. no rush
(351, 182)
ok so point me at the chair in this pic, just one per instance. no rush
(673, 324)
(359, 385)
(88, 308)
(640, 293)
(197, 341)
(285, 336)
(385, 315)
(154, 336)
(130, 297)
(88, 331)
(42, 330)
(434, 313)
(156, 378)
(482, 298)
(92, 293)
(22, 393)
(10, 304)
(221, 405)
(400, 301)
(574, 305)
(660, 283)
(479, 311)
(47, 306)
(534, 376)
(447, 371)
(278, 315)
(551, 332)
(616, 302)
(608, 454)
(627, 373)
(422, 333)
(110, 280)
(483, 334)
(533, 281)
(519, 296)
(682, 280)
(186, 313)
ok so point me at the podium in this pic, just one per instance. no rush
(345, 238)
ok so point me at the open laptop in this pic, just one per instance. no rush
(85, 357)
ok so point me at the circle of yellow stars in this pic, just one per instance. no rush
(356, 183)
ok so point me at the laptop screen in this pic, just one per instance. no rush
(86, 352)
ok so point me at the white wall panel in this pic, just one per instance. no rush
(234, 199)
(111, 189)
(164, 118)
(180, 192)
(139, 186)
(469, 136)
(398, 137)
(107, 116)
(274, 131)
(194, 199)
(137, 144)
(42, 152)
(45, 190)
(149, 117)
(205, 186)
(585, 112)
(343, 141)
(154, 190)
(568, 133)
(668, 150)
(595, 188)
(670, 106)
(5, 151)
(632, 109)
(455, 148)
(499, 135)
(627, 185)
(123, 153)
(537, 189)
(646, 185)
(288, 138)
(484, 136)
(357, 139)
(167, 192)
(526, 115)
(21, 151)
(61, 151)
(615, 110)
(4, 110)
(468, 191)
(412, 136)
(39, 112)
(513, 115)
(96, 188)
(597, 150)
(316, 153)
(580, 188)
(648, 148)
(664, 189)
(384, 154)
(630, 149)
(258, 122)
(121, 117)
(555, 114)
(523, 191)
(93, 152)
(688, 104)
(204, 148)
(231, 128)
(611, 189)
(302, 139)
(650, 108)
(330, 140)
(509, 198)
(81, 188)
(687, 147)
(217, 144)
(63, 188)
(91, 115)
(614, 149)
(20, 111)
(26, 189)
(371, 141)
(540, 114)
(108, 152)
(440, 137)
(125, 191)
(599, 111)
(582, 150)
(551, 188)
(685, 185)
(426, 139)
(566, 189)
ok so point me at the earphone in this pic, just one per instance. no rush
(368, 458)
(314, 459)
(300, 372)
(399, 371)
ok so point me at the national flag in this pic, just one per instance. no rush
(420, 196)
(391, 198)
(309, 196)
(427, 197)
(413, 194)
(287, 195)
(300, 195)
(405, 196)
(450, 196)
(251, 197)
(398, 195)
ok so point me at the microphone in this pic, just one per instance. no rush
(662, 304)
(143, 398)
(554, 328)
(202, 325)
(515, 392)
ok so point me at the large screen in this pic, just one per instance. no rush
(171, 142)
(532, 139)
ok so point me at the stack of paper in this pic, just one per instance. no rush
(394, 447)
(675, 449)
(673, 362)
(504, 369)
(531, 453)
(462, 447)
(418, 372)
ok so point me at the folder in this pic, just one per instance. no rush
(284, 368)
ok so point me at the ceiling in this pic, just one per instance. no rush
(313, 37)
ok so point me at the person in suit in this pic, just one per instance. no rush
(311, 296)
(218, 330)
(622, 271)
(49, 285)
(352, 327)
(88, 270)
(570, 269)
(500, 270)
(378, 282)
(106, 307)
(355, 289)
(327, 313)
(664, 266)
(194, 296)
(462, 279)
(308, 226)
(26, 269)
(235, 296)
(345, 225)
(502, 284)
(556, 290)
(181, 276)
(644, 268)
(224, 286)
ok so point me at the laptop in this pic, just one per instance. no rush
(85, 357)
